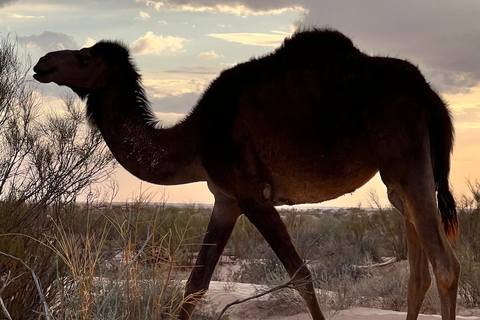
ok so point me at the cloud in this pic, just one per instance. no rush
(144, 16)
(22, 17)
(90, 42)
(228, 65)
(467, 117)
(39, 7)
(150, 43)
(195, 70)
(6, 3)
(273, 39)
(49, 41)
(240, 8)
(437, 35)
(453, 82)
(174, 95)
(164, 88)
(210, 55)
(180, 104)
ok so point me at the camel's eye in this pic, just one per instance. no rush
(83, 58)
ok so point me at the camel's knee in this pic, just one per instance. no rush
(447, 276)
(421, 283)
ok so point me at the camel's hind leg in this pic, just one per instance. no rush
(405, 164)
(420, 280)
(426, 239)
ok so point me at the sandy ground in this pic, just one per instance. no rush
(222, 293)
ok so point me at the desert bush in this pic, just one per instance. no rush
(468, 247)
(359, 225)
(389, 228)
(386, 289)
(127, 261)
(46, 162)
(390, 233)
(261, 271)
(469, 288)
(246, 241)
(281, 303)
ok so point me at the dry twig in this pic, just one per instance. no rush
(291, 284)
(37, 284)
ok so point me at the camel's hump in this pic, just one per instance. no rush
(323, 43)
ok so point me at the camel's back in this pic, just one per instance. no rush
(298, 116)
(316, 53)
(315, 48)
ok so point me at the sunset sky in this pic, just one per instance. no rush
(180, 46)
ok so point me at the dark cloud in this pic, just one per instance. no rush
(453, 82)
(112, 4)
(4, 3)
(49, 41)
(437, 35)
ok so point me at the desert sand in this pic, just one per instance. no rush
(221, 293)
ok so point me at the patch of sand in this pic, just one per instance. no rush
(221, 293)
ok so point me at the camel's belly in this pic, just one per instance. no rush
(315, 188)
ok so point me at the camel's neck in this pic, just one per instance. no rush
(162, 156)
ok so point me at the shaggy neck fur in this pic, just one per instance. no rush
(121, 111)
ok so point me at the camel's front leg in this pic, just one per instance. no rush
(267, 220)
(224, 216)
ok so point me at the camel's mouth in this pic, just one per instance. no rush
(42, 75)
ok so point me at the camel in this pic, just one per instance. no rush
(311, 121)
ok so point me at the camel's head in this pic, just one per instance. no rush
(84, 70)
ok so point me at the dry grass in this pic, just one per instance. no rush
(127, 261)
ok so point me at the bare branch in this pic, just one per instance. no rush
(37, 284)
(291, 284)
(4, 308)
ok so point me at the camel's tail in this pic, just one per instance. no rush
(441, 143)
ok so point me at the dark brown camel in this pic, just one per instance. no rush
(310, 122)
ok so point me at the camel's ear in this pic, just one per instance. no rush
(116, 57)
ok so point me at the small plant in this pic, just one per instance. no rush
(468, 247)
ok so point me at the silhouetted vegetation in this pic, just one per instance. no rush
(46, 162)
